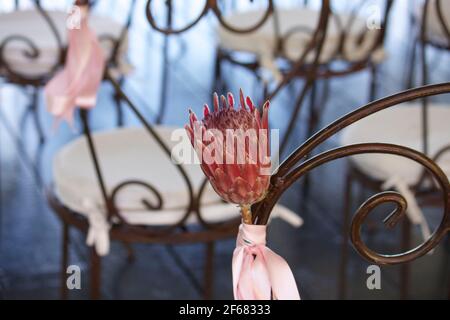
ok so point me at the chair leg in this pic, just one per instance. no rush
(373, 82)
(342, 294)
(64, 260)
(448, 273)
(405, 269)
(95, 275)
(265, 90)
(119, 109)
(35, 112)
(209, 271)
(165, 81)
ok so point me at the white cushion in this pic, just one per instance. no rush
(30, 24)
(262, 42)
(400, 125)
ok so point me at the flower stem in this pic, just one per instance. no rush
(246, 214)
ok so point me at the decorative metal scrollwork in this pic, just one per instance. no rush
(210, 5)
(296, 167)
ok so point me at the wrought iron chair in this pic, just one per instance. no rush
(112, 199)
(348, 46)
(31, 52)
(421, 126)
(22, 59)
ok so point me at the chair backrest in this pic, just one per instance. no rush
(110, 197)
(355, 30)
(118, 42)
(435, 27)
(17, 3)
(195, 196)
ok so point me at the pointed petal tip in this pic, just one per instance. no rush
(230, 100)
(216, 101)
(241, 93)
(265, 116)
(192, 118)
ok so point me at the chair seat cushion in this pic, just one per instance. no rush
(31, 25)
(262, 42)
(401, 125)
(125, 155)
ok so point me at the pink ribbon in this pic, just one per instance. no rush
(258, 272)
(77, 84)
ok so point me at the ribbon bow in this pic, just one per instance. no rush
(258, 272)
(77, 84)
(98, 233)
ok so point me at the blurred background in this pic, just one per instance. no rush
(166, 75)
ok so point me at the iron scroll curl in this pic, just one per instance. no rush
(210, 5)
(297, 166)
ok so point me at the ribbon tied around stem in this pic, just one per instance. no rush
(258, 272)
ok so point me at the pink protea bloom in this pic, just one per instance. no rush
(233, 148)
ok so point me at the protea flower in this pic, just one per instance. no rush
(233, 148)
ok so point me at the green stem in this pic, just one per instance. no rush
(246, 214)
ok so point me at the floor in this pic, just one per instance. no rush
(30, 233)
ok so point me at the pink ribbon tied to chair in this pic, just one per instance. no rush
(77, 84)
(258, 272)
